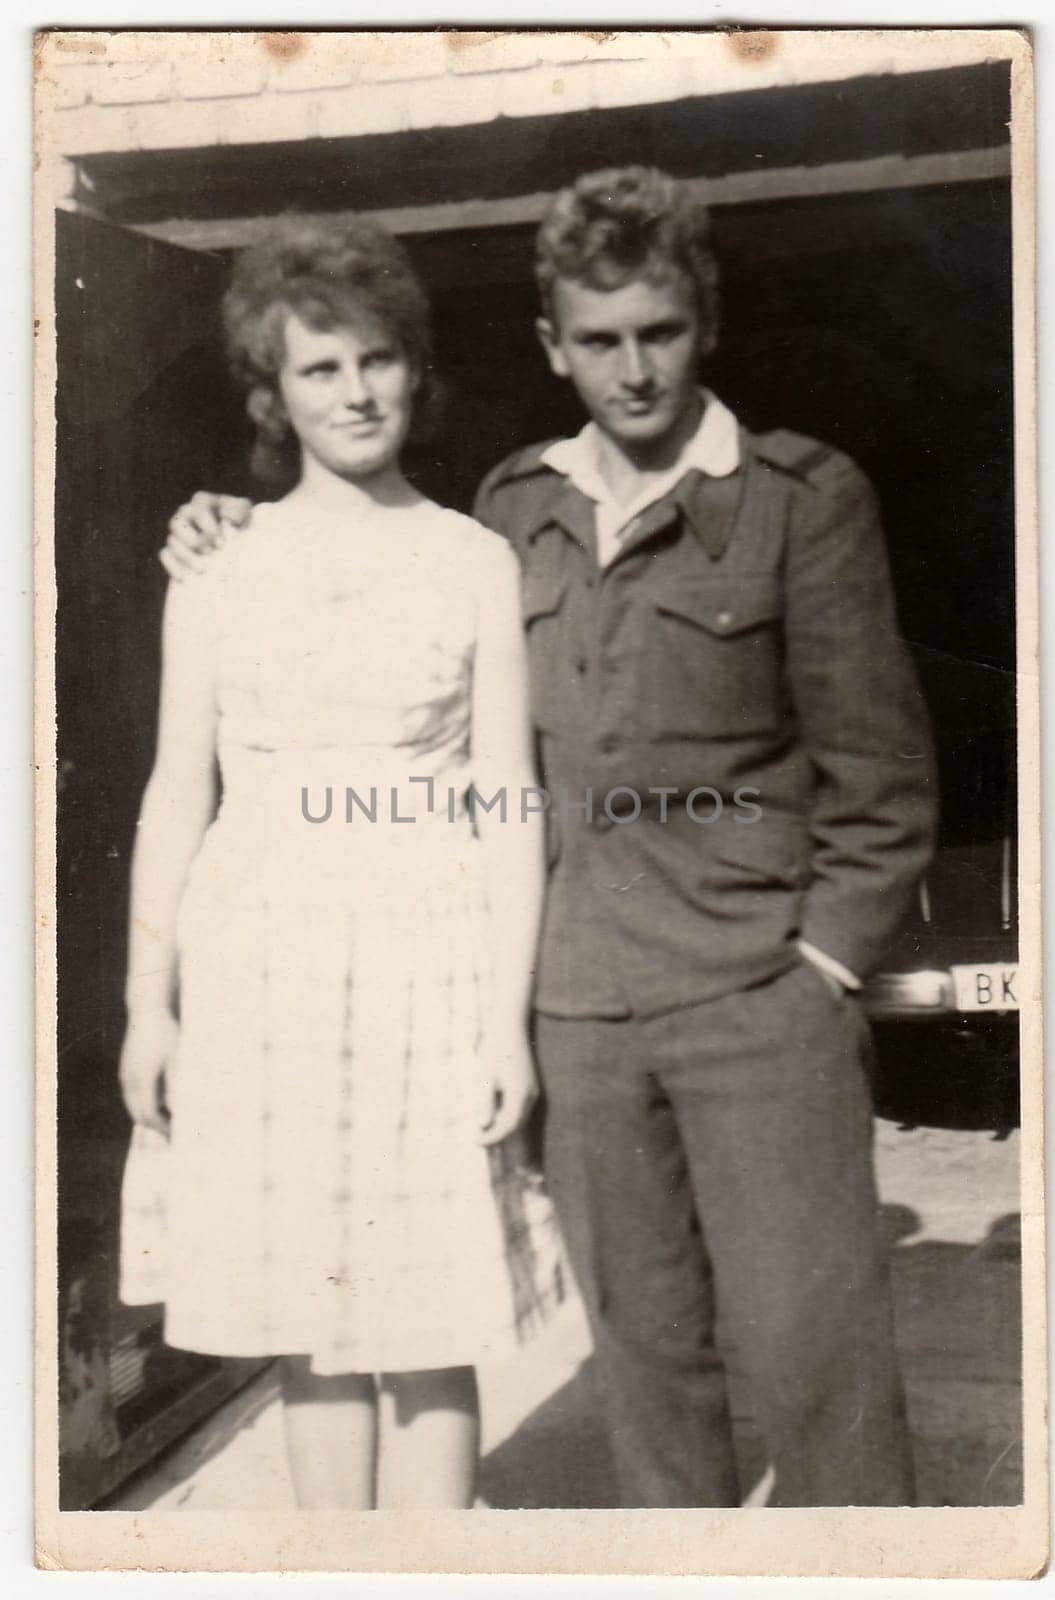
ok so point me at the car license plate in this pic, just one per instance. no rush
(989, 987)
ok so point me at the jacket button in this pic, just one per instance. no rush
(580, 666)
(724, 618)
(609, 744)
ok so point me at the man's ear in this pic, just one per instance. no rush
(550, 342)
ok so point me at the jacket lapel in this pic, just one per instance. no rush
(709, 505)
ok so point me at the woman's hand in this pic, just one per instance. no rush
(510, 1085)
(149, 1046)
(199, 527)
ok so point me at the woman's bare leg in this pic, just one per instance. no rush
(331, 1436)
(430, 1440)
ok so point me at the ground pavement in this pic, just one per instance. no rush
(950, 1212)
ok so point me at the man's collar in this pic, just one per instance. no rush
(713, 449)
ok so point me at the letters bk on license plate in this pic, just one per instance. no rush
(991, 986)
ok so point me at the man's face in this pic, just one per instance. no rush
(632, 353)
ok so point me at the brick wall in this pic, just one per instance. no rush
(101, 92)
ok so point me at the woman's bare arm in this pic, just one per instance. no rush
(177, 807)
(502, 761)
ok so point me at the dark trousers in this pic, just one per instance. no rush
(720, 1157)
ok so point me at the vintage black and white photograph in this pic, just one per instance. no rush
(539, 991)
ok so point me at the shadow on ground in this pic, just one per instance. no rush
(959, 1326)
(558, 1459)
(959, 1335)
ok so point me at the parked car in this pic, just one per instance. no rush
(945, 1004)
(957, 956)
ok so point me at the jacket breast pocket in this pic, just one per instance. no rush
(714, 658)
(543, 607)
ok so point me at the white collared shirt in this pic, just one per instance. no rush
(714, 449)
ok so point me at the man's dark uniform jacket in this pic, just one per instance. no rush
(743, 639)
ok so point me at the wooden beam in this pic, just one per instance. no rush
(735, 188)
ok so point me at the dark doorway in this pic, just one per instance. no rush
(143, 414)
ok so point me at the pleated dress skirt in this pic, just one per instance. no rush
(324, 1190)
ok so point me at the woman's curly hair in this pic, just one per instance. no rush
(611, 227)
(331, 274)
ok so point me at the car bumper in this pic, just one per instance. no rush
(922, 995)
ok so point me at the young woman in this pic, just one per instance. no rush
(329, 978)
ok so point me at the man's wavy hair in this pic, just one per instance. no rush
(331, 274)
(612, 227)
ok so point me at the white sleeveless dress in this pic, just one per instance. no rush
(324, 1191)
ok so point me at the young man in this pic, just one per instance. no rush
(741, 804)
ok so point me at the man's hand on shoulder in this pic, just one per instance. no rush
(198, 528)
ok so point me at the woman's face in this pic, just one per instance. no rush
(348, 394)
